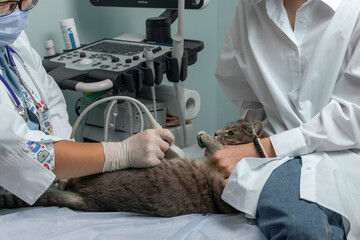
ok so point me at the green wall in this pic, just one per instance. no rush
(93, 23)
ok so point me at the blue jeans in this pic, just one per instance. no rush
(281, 214)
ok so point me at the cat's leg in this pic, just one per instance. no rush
(205, 141)
(61, 184)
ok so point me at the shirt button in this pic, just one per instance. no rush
(297, 74)
(281, 22)
(302, 20)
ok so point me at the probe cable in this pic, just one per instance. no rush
(173, 151)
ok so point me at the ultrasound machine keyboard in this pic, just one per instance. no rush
(109, 54)
(116, 48)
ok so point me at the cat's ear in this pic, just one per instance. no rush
(258, 128)
(248, 116)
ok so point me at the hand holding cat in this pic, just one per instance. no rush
(145, 149)
(227, 158)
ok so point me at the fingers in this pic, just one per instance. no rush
(225, 170)
(164, 146)
(207, 153)
(160, 154)
(166, 138)
(162, 137)
(151, 158)
(223, 163)
(215, 158)
(155, 162)
(148, 147)
(166, 135)
(225, 182)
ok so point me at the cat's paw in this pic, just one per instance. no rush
(61, 184)
(200, 139)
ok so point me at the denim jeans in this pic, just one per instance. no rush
(281, 214)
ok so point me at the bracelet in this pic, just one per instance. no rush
(259, 148)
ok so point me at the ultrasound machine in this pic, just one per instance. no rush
(113, 67)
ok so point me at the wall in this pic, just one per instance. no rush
(94, 23)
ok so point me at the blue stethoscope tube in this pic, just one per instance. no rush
(15, 98)
(10, 51)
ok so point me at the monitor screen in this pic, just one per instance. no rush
(166, 4)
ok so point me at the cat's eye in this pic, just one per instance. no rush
(230, 133)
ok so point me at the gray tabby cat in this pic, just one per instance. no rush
(174, 187)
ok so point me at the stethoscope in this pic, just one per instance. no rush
(22, 111)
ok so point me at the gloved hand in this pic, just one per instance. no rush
(145, 149)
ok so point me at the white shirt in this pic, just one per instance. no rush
(307, 82)
(20, 173)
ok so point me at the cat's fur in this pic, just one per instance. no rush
(175, 187)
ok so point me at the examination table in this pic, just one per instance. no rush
(55, 223)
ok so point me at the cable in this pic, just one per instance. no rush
(130, 112)
(173, 151)
(108, 112)
(149, 55)
(178, 52)
(178, 39)
(153, 94)
(107, 119)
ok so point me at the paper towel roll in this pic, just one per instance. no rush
(167, 95)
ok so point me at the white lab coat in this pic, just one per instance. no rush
(309, 88)
(19, 173)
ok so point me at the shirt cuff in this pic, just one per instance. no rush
(289, 143)
(43, 153)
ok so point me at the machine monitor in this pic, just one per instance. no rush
(165, 4)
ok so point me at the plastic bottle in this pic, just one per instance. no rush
(70, 34)
(50, 47)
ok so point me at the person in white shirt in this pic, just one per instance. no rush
(34, 141)
(296, 64)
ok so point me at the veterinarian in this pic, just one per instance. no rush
(296, 64)
(34, 142)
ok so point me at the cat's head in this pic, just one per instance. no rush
(241, 131)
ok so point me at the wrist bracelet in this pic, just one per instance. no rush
(259, 148)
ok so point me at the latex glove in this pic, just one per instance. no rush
(145, 149)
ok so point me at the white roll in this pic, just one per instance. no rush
(167, 95)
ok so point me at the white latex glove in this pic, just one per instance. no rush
(145, 149)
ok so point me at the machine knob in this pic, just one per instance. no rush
(128, 60)
(82, 54)
(115, 59)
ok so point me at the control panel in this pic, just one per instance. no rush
(119, 65)
(113, 55)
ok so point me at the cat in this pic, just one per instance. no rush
(174, 187)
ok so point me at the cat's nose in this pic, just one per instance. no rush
(216, 133)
